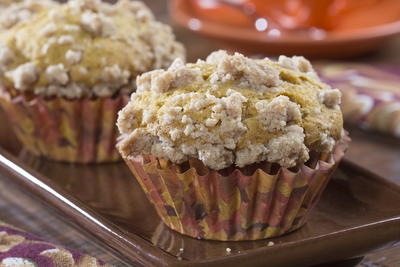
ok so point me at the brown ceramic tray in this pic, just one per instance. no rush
(359, 212)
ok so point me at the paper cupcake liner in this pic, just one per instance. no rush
(230, 205)
(7, 139)
(80, 131)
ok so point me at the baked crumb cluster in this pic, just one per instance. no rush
(14, 12)
(231, 109)
(85, 48)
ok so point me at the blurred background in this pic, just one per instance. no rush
(312, 28)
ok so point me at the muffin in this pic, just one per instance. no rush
(67, 71)
(233, 148)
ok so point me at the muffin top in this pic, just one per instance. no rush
(14, 12)
(85, 48)
(231, 109)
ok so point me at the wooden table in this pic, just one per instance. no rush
(380, 154)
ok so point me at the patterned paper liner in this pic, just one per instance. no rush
(229, 205)
(80, 131)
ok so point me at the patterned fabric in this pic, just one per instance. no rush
(233, 206)
(371, 95)
(19, 209)
(21, 249)
(66, 130)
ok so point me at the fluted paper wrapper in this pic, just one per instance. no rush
(230, 205)
(80, 131)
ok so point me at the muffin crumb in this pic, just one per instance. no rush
(275, 115)
(215, 156)
(138, 140)
(239, 68)
(211, 122)
(327, 142)
(298, 63)
(288, 148)
(330, 98)
(57, 74)
(97, 24)
(177, 75)
(73, 57)
(251, 154)
(24, 76)
(215, 57)
(45, 48)
(65, 40)
(72, 28)
(115, 75)
(49, 29)
(6, 55)
(83, 70)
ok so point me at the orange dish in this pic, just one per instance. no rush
(329, 15)
(312, 28)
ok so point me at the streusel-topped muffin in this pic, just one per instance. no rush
(231, 109)
(86, 48)
(233, 148)
(66, 71)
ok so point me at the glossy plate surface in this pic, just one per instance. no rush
(331, 45)
(359, 212)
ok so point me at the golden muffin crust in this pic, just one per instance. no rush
(85, 48)
(231, 109)
(13, 12)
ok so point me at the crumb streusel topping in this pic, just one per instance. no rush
(85, 48)
(231, 109)
(13, 12)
